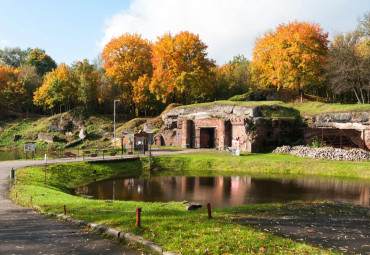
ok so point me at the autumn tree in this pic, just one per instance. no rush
(58, 89)
(87, 79)
(181, 69)
(291, 57)
(348, 68)
(31, 82)
(126, 59)
(12, 92)
(43, 62)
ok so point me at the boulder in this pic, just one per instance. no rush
(65, 125)
(54, 128)
(45, 137)
(83, 133)
(192, 206)
(148, 127)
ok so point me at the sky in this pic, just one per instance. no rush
(72, 30)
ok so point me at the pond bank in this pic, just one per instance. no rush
(259, 163)
(167, 224)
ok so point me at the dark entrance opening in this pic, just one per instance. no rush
(207, 137)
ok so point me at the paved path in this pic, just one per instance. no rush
(22, 231)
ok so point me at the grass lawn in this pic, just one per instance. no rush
(169, 224)
(307, 108)
(221, 161)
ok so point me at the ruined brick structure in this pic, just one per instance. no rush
(215, 126)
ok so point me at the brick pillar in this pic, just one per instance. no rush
(221, 135)
(197, 137)
(184, 134)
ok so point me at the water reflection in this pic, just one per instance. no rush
(229, 191)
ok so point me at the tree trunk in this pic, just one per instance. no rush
(358, 99)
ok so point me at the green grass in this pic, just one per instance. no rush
(308, 108)
(312, 108)
(167, 224)
(222, 161)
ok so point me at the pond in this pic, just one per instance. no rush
(224, 191)
(14, 155)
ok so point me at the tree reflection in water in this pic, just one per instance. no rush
(223, 191)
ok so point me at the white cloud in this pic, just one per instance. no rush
(228, 27)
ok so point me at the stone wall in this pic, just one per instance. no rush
(189, 128)
(354, 126)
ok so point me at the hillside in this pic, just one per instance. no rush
(65, 128)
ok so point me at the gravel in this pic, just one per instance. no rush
(324, 153)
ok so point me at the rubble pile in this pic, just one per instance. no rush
(324, 153)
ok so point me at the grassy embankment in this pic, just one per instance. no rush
(221, 161)
(168, 224)
(307, 108)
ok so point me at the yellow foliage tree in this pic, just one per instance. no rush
(290, 57)
(59, 88)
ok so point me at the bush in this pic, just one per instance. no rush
(316, 143)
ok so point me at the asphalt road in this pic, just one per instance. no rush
(22, 231)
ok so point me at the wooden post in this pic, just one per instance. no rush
(138, 215)
(363, 139)
(322, 137)
(31, 200)
(209, 211)
(64, 210)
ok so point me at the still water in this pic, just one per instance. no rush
(230, 191)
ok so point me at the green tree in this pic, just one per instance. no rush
(43, 62)
(232, 78)
(87, 83)
(14, 57)
(31, 81)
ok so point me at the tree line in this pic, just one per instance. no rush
(146, 76)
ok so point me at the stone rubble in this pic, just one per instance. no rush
(324, 153)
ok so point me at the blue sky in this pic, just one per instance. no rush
(74, 30)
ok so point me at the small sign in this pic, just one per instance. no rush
(178, 136)
(29, 147)
(45, 158)
(150, 138)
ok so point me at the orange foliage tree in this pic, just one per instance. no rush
(126, 59)
(181, 69)
(12, 90)
(290, 57)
